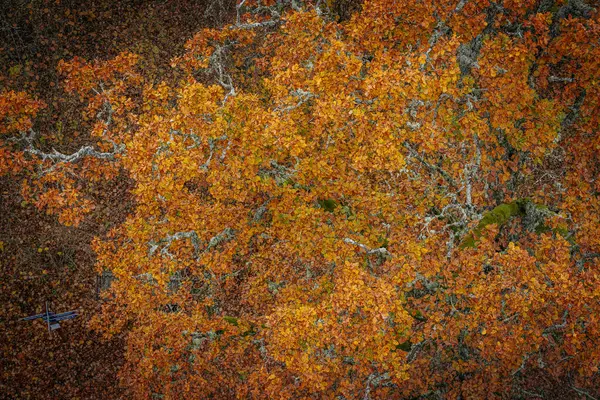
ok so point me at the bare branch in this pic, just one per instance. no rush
(560, 326)
(302, 96)
(432, 167)
(553, 78)
(226, 235)
(414, 351)
(441, 29)
(279, 172)
(583, 393)
(427, 283)
(276, 17)
(255, 25)
(211, 146)
(217, 65)
(368, 250)
(523, 363)
(86, 151)
(238, 7)
(192, 235)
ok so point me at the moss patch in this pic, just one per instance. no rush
(534, 215)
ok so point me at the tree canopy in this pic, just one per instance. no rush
(402, 202)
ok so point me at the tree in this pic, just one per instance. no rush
(402, 203)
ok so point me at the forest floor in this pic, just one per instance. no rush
(41, 260)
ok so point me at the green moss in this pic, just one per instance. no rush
(564, 232)
(533, 214)
(419, 316)
(468, 242)
(542, 228)
(347, 211)
(383, 241)
(249, 332)
(406, 346)
(499, 216)
(231, 320)
(328, 205)
(503, 213)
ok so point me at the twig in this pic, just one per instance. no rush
(368, 250)
(432, 167)
(583, 392)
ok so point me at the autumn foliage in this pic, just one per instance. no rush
(401, 203)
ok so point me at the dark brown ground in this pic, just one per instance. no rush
(41, 260)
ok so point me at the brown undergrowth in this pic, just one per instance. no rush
(40, 259)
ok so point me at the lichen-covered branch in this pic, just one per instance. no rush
(368, 250)
(165, 244)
